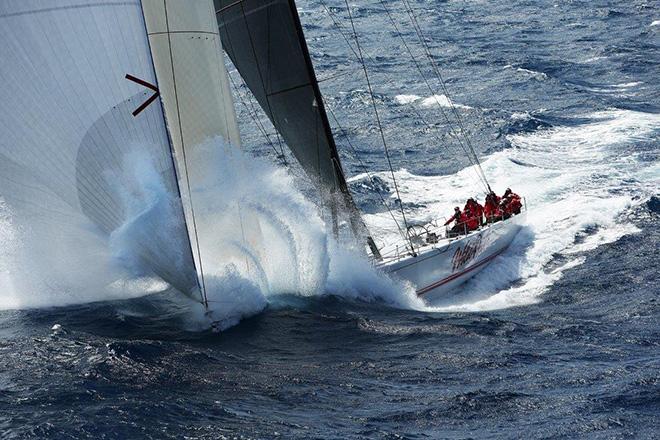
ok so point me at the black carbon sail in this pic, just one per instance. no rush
(265, 41)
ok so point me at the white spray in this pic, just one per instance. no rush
(247, 211)
(573, 178)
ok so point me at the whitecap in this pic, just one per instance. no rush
(406, 99)
(441, 101)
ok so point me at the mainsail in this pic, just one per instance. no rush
(82, 126)
(265, 41)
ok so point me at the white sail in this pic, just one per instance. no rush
(73, 153)
(200, 113)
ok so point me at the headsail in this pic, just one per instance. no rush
(69, 138)
(189, 63)
(83, 126)
(265, 41)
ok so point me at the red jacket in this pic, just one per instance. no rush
(479, 211)
(512, 204)
(492, 208)
(472, 220)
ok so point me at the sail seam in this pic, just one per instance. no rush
(185, 32)
(64, 8)
(289, 89)
(231, 5)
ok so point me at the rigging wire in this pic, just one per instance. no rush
(380, 127)
(366, 171)
(254, 111)
(253, 115)
(467, 150)
(261, 78)
(417, 113)
(434, 65)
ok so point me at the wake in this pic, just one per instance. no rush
(575, 180)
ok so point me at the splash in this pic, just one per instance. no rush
(259, 237)
(577, 180)
(47, 264)
(287, 248)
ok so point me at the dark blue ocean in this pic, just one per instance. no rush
(560, 338)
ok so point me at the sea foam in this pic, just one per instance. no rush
(576, 182)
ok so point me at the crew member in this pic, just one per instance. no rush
(459, 226)
(492, 209)
(511, 203)
(476, 206)
(472, 214)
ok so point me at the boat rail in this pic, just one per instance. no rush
(427, 236)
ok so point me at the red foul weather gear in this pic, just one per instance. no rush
(474, 210)
(479, 210)
(492, 209)
(472, 220)
(513, 204)
(455, 217)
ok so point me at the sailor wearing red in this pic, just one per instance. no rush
(492, 209)
(511, 203)
(479, 210)
(474, 213)
(460, 219)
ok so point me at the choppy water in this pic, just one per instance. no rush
(557, 339)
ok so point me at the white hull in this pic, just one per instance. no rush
(437, 270)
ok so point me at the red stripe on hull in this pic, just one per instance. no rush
(452, 277)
